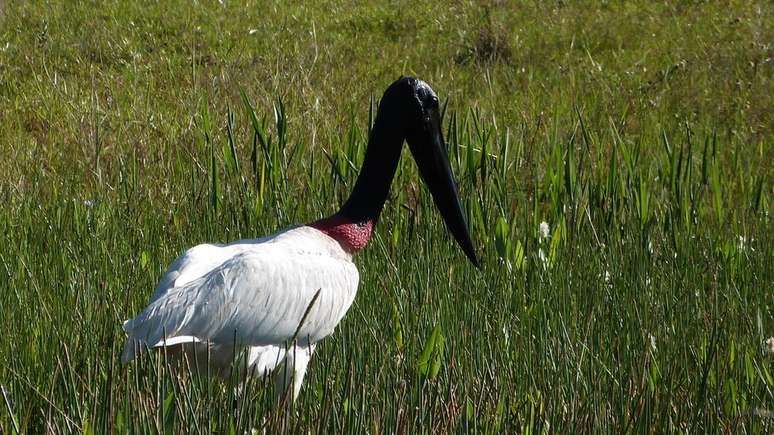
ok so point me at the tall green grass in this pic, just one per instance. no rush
(644, 309)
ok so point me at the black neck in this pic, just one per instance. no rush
(366, 201)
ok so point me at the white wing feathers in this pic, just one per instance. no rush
(257, 296)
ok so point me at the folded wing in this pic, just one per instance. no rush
(257, 297)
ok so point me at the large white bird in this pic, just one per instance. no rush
(263, 304)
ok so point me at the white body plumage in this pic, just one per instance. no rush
(250, 294)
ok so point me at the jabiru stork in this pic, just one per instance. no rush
(244, 302)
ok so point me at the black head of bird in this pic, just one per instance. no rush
(408, 111)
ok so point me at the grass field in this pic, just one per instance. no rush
(640, 132)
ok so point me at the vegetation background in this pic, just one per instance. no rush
(640, 132)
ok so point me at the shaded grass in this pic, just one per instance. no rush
(638, 132)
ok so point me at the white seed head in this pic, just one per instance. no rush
(768, 346)
(544, 230)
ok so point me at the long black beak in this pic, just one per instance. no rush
(429, 151)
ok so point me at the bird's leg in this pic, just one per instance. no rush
(293, 369)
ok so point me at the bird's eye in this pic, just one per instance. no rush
(434, 101)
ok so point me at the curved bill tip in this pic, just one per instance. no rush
(463, 238)
(473, 259)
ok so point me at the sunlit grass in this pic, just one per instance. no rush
(644, 305)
